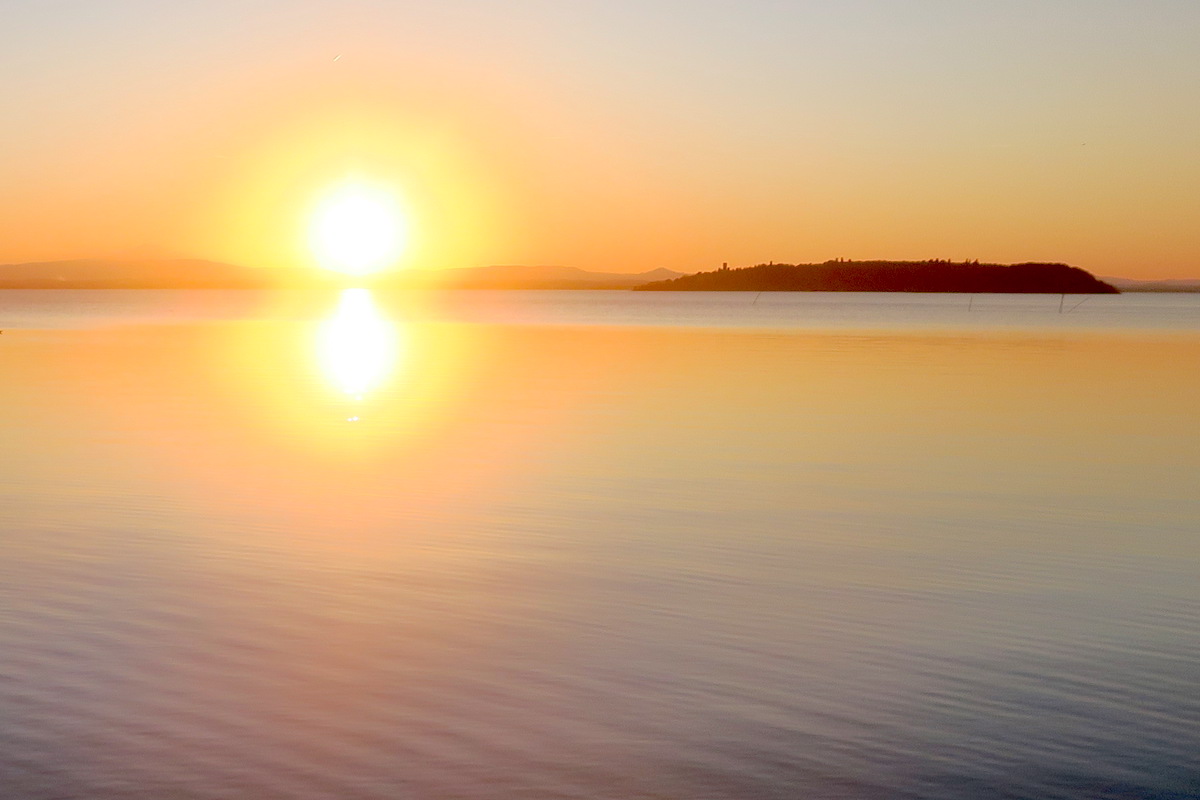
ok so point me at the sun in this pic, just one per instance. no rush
(357, 228)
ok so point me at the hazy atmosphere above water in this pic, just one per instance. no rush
(620, 136)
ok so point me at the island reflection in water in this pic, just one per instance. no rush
(558, 560)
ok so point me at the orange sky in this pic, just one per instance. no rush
(617, 136)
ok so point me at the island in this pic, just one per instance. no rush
(891, 276)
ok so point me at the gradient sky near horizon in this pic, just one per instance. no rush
(613, 135)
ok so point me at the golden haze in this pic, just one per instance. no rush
(619, 138)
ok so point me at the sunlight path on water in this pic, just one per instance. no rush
(357, 346)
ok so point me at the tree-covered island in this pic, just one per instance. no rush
(892, 276)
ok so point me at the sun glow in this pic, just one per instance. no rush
(358, 228)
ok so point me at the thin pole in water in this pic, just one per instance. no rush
(756, 299)
(1061, 300)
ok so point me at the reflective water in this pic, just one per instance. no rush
(598, 545)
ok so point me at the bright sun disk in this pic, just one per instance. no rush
(357, 229)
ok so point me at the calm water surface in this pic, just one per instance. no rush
(598, 545)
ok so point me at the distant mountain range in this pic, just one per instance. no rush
(200, 274)
(520, 277)
(137, 274)
(893, 276)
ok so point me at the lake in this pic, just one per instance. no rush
(598, 545)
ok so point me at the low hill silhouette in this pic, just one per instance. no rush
(892, 276)
(181, 273)
(522, 277)
(200, 274)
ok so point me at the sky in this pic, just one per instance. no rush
(619, 135)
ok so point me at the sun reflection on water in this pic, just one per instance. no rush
(357, 347)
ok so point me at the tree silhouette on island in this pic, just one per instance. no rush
(892, 276)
